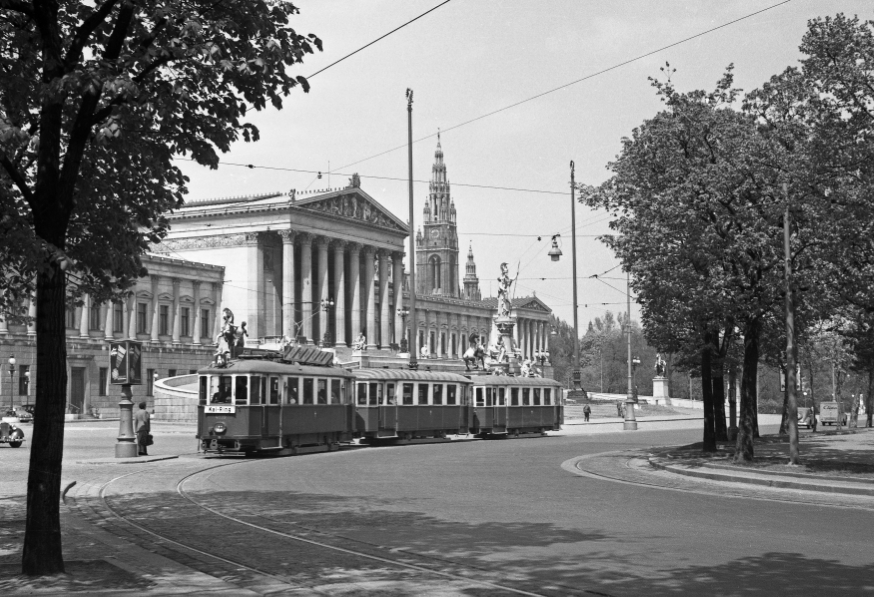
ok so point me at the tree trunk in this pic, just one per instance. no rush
(707, 396)
(744, 451)
(784, 417)
(754, 405)
(869, 397)
(720, 426)
(42, 539)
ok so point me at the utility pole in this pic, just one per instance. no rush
(577, 376)
(630, 420)
(414, 332)
(791, 347)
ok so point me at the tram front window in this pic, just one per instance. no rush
(390, 394)
(375, 391)
(502, 399)
(408, 393)
(308, 390)
(479, 397)
(255, 393)
(274, 390)
(547, 396)
(222, 393)
(241, 392)
(362, 394)
(323, 391)
(451, 393)
(335, 391)
(489, 393)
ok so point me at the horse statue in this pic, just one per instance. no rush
(474, 355)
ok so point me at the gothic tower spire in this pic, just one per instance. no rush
(471, 282)
(438, 261)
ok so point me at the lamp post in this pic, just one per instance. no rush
(630, 420)
(11, 381)
(326, 305)
(403, 312)
(634, 363)
(414, 333)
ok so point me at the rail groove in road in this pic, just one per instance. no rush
(232, 551)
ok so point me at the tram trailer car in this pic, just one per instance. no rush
(263, 406)
(404, 404)
(514, 405)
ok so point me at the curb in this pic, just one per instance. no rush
(761, 480)
(615, 420)
(135, 460)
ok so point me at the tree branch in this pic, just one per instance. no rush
(16, 177)
(25, 8)
(86, 29)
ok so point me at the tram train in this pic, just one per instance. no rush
(299, 403)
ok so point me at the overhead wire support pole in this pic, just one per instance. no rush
(414, 332)
(791, 346)
(576, 376)
(630, 420)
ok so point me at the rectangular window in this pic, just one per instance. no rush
(308, 385)
(171, 372)
(94, 318)
(362, 394)
(547, 396)
(335, 392)
(255, 392)
(423, 393)
(241, 391)
(70, 317)
(526, 396)
(322, 394)
(150, 382)
(479, 397)
(184, 320)
(117, 318)
(502, 398)
(389, 393)
(451, 390)
(489, 393)
(104, 379)
(204, 322)
(408, 393)
(142, 326)
(375, 394)
(24, 380)
(222, 393)
(203, 387)
(293, 390)
(438, 394)
(514, 396)
(274, 390)
(536, 396)
(163, 319)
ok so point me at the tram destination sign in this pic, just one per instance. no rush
(125, 363)
(219, 409)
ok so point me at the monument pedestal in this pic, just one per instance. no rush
(660, 389)
(505, 325)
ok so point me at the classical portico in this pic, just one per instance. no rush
(289, 256)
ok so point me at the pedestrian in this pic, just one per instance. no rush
(586, 412)
(142, 427)
(618, 409)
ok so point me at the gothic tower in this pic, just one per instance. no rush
(437, 247)
(471, 282)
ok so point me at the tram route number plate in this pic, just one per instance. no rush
(220, 409)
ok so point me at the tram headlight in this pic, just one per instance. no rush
(219, 428)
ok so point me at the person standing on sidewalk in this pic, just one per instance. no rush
(142, 427)
(586, 412)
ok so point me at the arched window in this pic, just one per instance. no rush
(434, 273)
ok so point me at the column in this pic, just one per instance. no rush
(196, 332)
(31, 312)
(306, 286)
(131, 306)
(530, 338)
(397, 283)
(155, 310)
(85, 318)
(384, 312)
(520, 329)
(108, 321)
(340, 293)
(288, 326)
(354, 289)
(369, 296)
(177, 312)
(323, 317)
(217, 315)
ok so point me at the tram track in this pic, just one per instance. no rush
(425, 566)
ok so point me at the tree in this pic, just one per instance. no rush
(95, 101)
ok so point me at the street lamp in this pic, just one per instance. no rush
(11, 381)
(403, 312)
(327, 304)
(634, 363)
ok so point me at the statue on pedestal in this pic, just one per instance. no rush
(504, 283)
(660, 366)
(226, 339)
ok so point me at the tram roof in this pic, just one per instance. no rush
(407, 374)
(250, 366)
(506, 380)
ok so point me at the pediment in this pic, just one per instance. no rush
(353, 204)
(534, 304)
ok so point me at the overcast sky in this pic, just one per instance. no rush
(471, 57)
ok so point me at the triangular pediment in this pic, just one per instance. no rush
(353, 204)
(534, 304)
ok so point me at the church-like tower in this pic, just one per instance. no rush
(437, 247)
(471, 282)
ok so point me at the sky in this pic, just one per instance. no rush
(469, 58)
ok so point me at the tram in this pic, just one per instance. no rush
(409, 405)
(510, 406)
(295, 404)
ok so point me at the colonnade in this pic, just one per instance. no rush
(437, 326)
(531, 336)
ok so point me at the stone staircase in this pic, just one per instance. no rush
(600, 410)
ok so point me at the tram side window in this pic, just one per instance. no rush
(362, 394)
(322, 394)
(255, 392)
(526, 396)
(423, 393)
(293, 390)
(204, 381)
(451, 394)
(308, 384)
(389, 393)
(536, 396)
(479, 397)
(489, 393)
(375, 391)
(438, 394)
(408, 393)
(502, 397)
(335, 392)
(242, 390)
(514, 396)
(547, 396)
(274, 390)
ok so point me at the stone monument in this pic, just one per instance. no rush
(507, 361)
(660, 383)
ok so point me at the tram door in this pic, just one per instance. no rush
(388, 413)
(500, 409)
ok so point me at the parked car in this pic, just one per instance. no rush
(24, 415)
(830, 413)
(806, 418)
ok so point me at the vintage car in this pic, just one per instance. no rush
(10, 432)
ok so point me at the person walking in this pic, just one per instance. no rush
(586, 412)
(142, 427)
